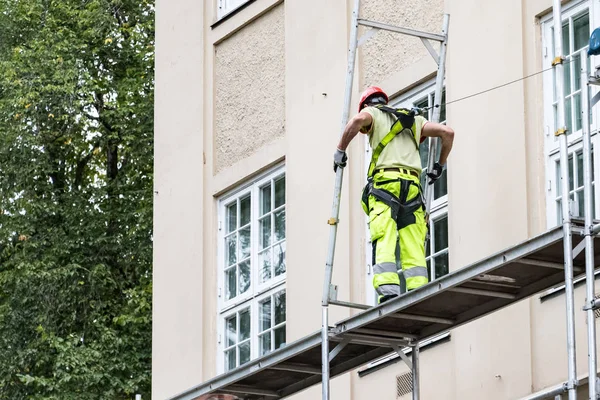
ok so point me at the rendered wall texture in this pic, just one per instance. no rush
(250, 89)
(387, 53)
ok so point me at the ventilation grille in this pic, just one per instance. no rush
(404, 384)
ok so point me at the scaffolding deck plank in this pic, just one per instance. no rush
(462, 296)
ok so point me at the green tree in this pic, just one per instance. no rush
(76, 146)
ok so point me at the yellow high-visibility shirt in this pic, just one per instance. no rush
(401, 152)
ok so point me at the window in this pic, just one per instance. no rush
(437, 247)
(577, 24)
(252, 271)
(225, 7)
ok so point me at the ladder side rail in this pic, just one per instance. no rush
(439, 88)
(566, 201)
(335, 209)
(589, 240)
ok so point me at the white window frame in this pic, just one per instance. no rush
(256, 292)
(439, 207)
(574, 140)
(226, 7)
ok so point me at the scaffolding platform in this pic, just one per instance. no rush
(446, 303)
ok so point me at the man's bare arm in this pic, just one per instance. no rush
(445, 133)
(358, 122)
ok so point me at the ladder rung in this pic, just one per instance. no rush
(405, 31)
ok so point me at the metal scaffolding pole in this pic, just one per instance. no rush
(416, 393)
(437, 110)
(335, 209)
(589, 240)
(566, 201)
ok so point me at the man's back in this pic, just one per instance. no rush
(402, 151)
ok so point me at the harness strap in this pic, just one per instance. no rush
(401, 210)
(405, 119)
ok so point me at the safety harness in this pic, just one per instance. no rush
(402, 211)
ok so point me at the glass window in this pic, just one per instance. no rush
(576, 31)
(252, 270)
(225, 7)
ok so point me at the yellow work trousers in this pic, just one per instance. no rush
(385, 236)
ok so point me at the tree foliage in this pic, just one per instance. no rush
(76, 143)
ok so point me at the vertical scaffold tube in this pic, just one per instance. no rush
(588, 207)
(416, 393)
(566, 216)
(335, 209)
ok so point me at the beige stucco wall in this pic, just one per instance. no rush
(496, 175)
(487, 187)
(178, 327)
(249, 89)
(388, 53)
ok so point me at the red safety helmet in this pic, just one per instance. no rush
(371, 90)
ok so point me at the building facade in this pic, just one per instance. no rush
(249, 97)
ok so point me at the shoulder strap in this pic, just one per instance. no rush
(406, 119)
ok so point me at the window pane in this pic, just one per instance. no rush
(579, 156)
(279, 258)
(279, 337)
(245, 208)
(230, 249)
(424, 103)
(566, 42)
(577, 105)
(264, 265)
(443, 111)
(567, 78)
(424, 152)
(576, 72)
(568, 116)
(244, 281)
(230, 284)
(280, 225)
(244, 325)
(580, 204)
(264, 232)
(230, 359)
(265, 199)
(440, 188)
(441, 265)
(264, 343)
(279, 299)
(581, 28)
(231, 330)
(231, 217)
(244, 243)
(440, 229)
(264, 315)
(280, 192)
(244, 353)
(429, 269)
(571, 178)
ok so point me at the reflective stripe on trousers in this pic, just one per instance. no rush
(384, 235)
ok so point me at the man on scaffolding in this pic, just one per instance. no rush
(393, 197)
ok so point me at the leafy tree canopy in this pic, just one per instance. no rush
(76, 144)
